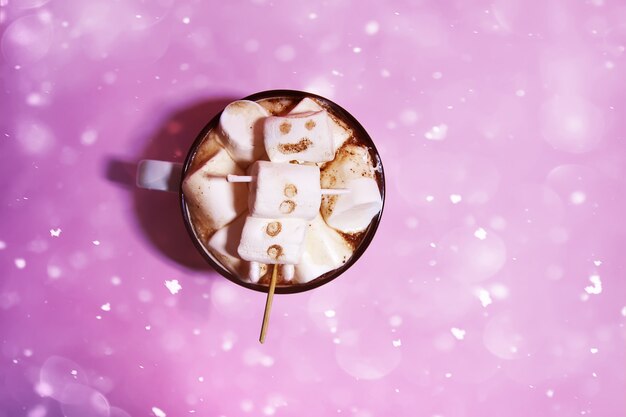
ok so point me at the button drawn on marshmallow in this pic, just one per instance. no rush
(284, 190)
(261, 243)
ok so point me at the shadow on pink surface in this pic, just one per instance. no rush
(154, 209)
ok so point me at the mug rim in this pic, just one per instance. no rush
(370, 231)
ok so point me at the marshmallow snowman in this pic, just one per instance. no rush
(285, 196)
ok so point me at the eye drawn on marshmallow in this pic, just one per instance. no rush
(285, 128)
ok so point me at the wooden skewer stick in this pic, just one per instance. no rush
(250, 178)
(268, 304)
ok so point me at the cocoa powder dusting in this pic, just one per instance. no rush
(353, 239)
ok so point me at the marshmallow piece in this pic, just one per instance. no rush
(223, 246)
(272, 241)
(241, 123)
(340, 131)
(302, 137)
(351, 162)
(352, 212)
(215, 201)
(284, 190)
(288, 271)
(324, 250)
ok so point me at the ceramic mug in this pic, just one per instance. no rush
(168, 176)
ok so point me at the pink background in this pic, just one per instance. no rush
(494, 287)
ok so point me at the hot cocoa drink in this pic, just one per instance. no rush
(285, 178)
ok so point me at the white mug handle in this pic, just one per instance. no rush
(159, 175)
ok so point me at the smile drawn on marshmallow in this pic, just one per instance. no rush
(273, 228)
(300, 146)
(287, 206)
(275, 251)
(290, 190)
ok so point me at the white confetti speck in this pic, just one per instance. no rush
(227, 344)
(596, 288)
(438, 132)
(430, 198)
(43, 389)
(158, 412)
(624, 311)
(480, 233)
(201, 379)
(458, 333)
(55, 232)
(106, 307)
(484, 297)
(54, 272)
(34, 99)
(396, 343)
(3, 245)
(409, 116)
(448, 375)
(20, 263)
(186, 20)
(109, 77)
(148, 327)
(74, 372)
(597, 263)
(437, 75)
(115, 280)
(395, 321)
(577, 197)
(28, 353)
(312, 16)
(247, 406)
(455, 198)
(173, 285)
(372, 27)
(520, 93)
(285, 53)
(89, 137)
(550, 393)
(385, 73)
(329, 313)
(98, 317)
(593, 350)
(356, 50)
(96, 242)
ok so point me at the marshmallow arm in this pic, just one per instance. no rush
(353, 212)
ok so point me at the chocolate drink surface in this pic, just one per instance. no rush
(217, 209)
